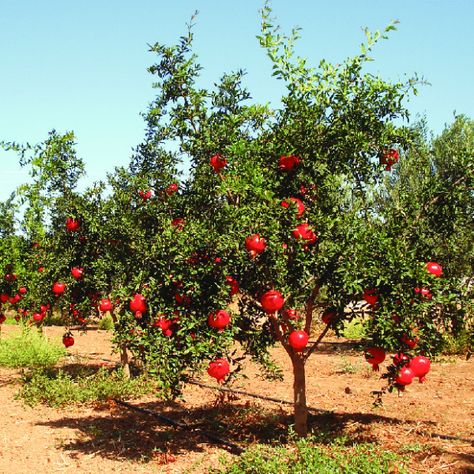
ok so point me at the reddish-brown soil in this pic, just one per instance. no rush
(432, 423)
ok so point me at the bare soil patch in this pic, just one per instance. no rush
(433, 423)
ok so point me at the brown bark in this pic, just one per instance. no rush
(123, 352)
(125, 362)
(299, 393)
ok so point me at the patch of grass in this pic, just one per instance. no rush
(414, 448)
(29, 349)
(347, 367)
(106, 323)
(306, 456)
(57, 387)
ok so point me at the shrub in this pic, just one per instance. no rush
(29, 349)
(106, 323)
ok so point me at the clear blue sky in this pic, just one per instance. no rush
(82, 65)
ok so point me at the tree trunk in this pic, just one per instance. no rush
(123, 351)
(299, 392)
(124, 361)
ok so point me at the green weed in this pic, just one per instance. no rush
(306, 456)
(57, 387)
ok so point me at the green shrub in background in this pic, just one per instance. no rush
(29, 349)
(106, 323)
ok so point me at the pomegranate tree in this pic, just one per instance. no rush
(278, 218)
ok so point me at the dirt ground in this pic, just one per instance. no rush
(432, 423)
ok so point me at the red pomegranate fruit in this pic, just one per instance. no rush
(72, 225)
(389, 158)
(287, 163)
(272, 301)
(105, 305)
(59, 288)
(404, 377)
(219, 319)
(68, 340)
(298, 340)
(171, 189)
(218, 369)
(375, 356)
(233, 283)
(304, 233)
(217, 162)
(138, 304)
(255, 244)
(434, 268)
(329, 315)
(420, 366)
(297, 203)
(77, 272)
(370, 295)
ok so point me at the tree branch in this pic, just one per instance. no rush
(316, 343)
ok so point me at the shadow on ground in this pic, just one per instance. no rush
(122, 434)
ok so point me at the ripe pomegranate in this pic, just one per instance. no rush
(41, 269)
(218, 369)
(59, 288)
(255, 244)
(178, 223)
(217, 162)
(375, 356)
(171, 189)
(15, 299)
(389, 158)
(72, 225)
(305, 233)
(233, 283)
(370, 296)
(22, 290)
(287, 163)
(145, 195)
(68, 340)
(38, 317)
(138, 304)
(426, 293)
(410, 342)
(165, 325)
(105, 305)
(298, 340)
(4, 298)
(272, 301)
(400, 359)
(181, 299)
(292, 201)
(329, 315)
(420, 366)
(404, 377)
(77, 272)
(291, 314)
(3, 318)
(219, 319)
(434, 268)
